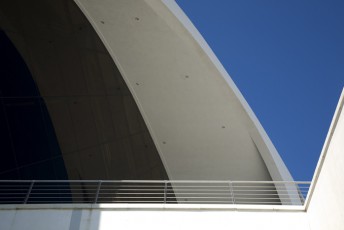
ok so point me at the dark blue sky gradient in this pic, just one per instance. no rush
(287, 59)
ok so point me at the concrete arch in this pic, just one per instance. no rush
(200, 123)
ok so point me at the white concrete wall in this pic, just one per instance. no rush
(107, 219)
(325, 207)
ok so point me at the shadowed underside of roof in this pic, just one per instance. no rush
(130, 91)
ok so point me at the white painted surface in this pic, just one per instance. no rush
(102, 219)
(325, 207)
(199, 121)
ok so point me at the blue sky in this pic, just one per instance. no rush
(287, 58)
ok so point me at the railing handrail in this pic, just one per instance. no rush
(162, 181)
(153, 191)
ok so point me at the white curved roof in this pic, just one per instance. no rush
(200, 123)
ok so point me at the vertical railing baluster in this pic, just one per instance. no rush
(29, 192)
(231, 191)
(302, 198)
(97, 192)
(165, 192)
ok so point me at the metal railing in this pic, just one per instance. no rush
(167, 192)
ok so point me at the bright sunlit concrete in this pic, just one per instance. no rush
(325, 207)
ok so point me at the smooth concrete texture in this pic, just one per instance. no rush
(103, 219)
(201, 125)
(325, 206)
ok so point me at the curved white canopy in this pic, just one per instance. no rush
(200, 123)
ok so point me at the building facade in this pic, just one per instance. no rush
(129, 90)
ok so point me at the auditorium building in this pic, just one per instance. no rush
(117, 114)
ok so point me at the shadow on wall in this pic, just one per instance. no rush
(85, 219)
(66, 112)
(30, 148)
(53, 219)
